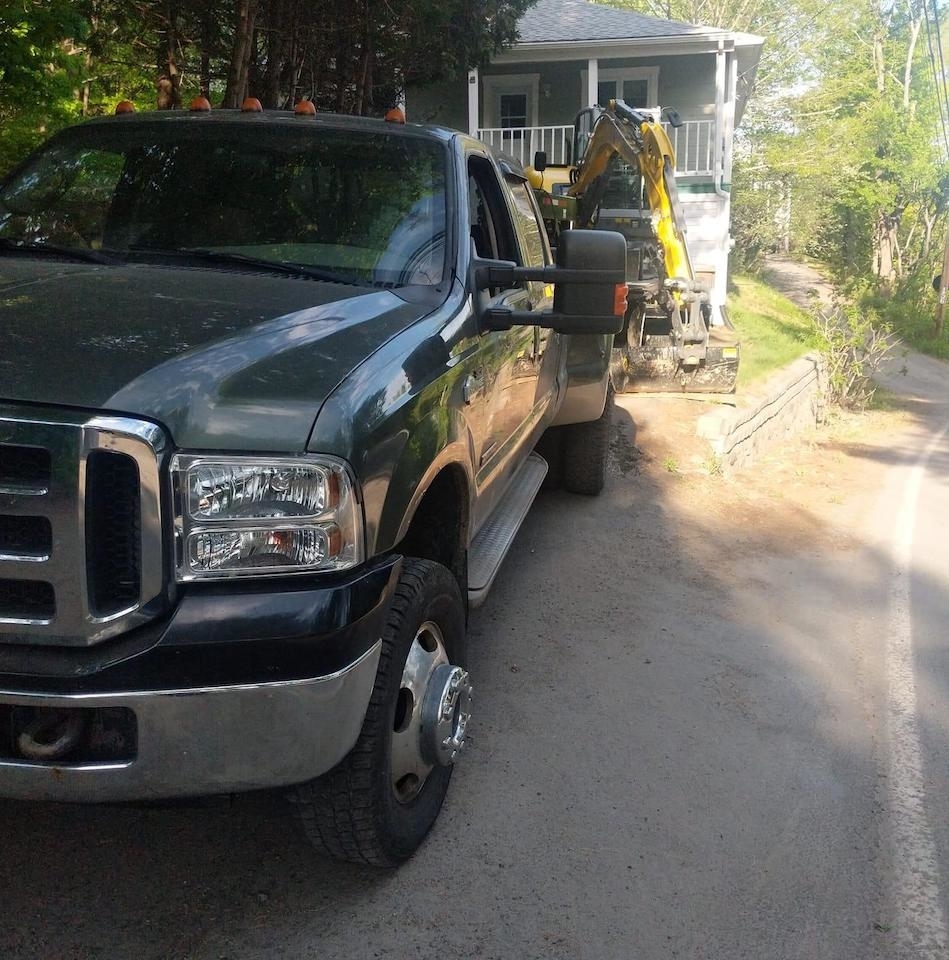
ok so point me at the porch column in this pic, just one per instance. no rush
(731, 96)
(720, 81)
(473, 102)
(593, 82)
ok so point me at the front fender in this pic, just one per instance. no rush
(440, 440)
(588, 379)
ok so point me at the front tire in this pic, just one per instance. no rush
(586, 450)
(378, 804)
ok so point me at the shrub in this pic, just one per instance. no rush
(854, 342)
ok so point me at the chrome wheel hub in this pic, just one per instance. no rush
(445, 714)
(432, 713)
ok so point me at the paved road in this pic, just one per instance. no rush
(911, 526)
(712, 724)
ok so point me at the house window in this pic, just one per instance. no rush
(510, 100)
(634, 92)
(513, 109)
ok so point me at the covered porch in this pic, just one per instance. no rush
(693, 143)
(529, 106)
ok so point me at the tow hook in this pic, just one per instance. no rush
(51, 734)
(446, 711)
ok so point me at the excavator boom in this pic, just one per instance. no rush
(624, 180)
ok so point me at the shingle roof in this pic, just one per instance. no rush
(560, 21)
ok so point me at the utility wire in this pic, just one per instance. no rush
(939, 74)
(935, 73)
(942, 62)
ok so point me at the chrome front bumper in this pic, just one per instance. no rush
(208, 739)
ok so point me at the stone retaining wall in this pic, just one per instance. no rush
(788, 402)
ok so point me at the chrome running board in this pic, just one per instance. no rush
(494, 539)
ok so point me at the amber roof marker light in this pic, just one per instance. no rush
(200, 105)
(395, 115)
(305, 108)
(251, 105)
(124, 106)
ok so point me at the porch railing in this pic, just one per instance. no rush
(524, 142)
(694, 144)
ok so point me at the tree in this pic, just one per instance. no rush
(38, 71)
(61, 59)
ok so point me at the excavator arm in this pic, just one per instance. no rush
(624, 179)
(621, 134)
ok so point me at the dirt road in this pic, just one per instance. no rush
(800, 283)
(711, 724)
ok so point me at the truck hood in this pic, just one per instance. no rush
(225, 360)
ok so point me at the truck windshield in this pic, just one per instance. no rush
(367, 207)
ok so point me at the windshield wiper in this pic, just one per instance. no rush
(53, 250)
(190, 255)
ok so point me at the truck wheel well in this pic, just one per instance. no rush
(439, 528)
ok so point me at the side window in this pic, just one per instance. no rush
(529, 225)
(491, 227)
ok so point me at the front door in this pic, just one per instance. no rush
(508, 368)
(634, 92)
(511, 108)
(638, 86)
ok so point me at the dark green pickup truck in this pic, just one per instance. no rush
(270, 391)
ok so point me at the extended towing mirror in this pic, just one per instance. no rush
(589, 286)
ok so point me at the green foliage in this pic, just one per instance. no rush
(858, 156)
(909, 310)
(854, 342)
(757, 210)
(64, 59)
(38, 71)
(772, 330)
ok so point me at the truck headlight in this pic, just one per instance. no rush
(257, 516)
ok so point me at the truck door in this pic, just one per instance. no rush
(529, 226)
(509, 358)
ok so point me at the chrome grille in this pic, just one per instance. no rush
(27, 537)
(27, 601)
(113, 531)
(80, 526)
(27, 467)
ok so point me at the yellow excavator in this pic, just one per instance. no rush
(624, 180)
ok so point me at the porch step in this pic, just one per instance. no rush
(494, 539)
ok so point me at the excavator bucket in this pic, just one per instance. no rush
(655, 365)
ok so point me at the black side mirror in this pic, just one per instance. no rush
(591, 251)
(671, 117)
(590, 285)
(540, 160)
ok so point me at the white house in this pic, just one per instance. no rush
(573, 53)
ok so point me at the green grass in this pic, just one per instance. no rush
(885, 401)
(914, 325)
(772, 330)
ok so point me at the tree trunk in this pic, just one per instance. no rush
(280, 28)
(929, 221)
(238, 68)
(169, 81)
(879, 63)
(908, 66)
(886, 248)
